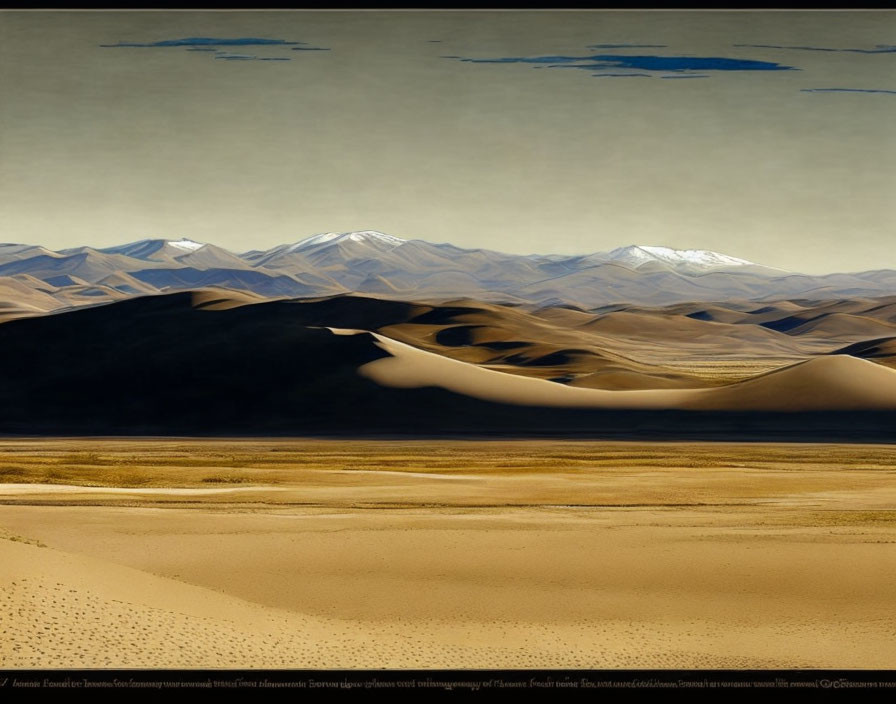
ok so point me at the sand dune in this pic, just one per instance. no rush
(826, 383)
(666, 327)
(583, 349)
(222, 299)
(882, 350)
(409, 367)
(213, 361)
(25, 295)
(616, 379)
(830, 383)
(842, 325)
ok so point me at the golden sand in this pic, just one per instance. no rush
(445, 554)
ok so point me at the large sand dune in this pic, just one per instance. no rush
(824, 384)
(839, 382)
(214, 362)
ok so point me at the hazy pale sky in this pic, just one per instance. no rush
(764, 135)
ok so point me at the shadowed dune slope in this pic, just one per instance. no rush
(882, 350)
(206, 364)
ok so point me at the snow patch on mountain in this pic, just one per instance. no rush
(186, 245)
(641, 254)
(366, 236)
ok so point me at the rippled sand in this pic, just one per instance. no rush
(451, 554)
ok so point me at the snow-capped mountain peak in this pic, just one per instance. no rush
(365, 236)
(703, 258)
(186, 245)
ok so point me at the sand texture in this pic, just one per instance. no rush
(184, 553)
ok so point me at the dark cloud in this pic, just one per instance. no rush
(846, 90)
(878, 49)
(600, 62)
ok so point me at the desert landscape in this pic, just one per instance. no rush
(362, 482)
(447, 485)
(418, 341)
(273, 553)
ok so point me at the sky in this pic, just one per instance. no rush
(765, 135)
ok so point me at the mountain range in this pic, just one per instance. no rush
(34, 279)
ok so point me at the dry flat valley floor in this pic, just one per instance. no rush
(188, 553)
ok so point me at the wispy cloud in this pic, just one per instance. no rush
(222, 47)
(628, 46)
(622, 75)
(204, 42)
(846, 90)
(877, 49)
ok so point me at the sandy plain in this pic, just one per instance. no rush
(186, 553)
